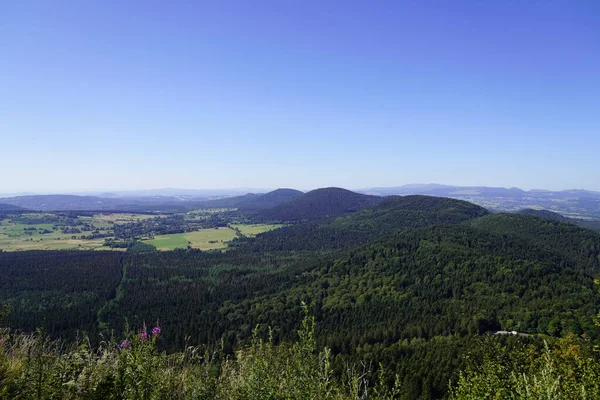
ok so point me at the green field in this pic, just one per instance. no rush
(255, 229)
(204, 239)
(208, 239)
(16, 236)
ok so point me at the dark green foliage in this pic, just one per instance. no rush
(551, 237)
(444, 281)
(395, 214)
(229, 202)
(141, 247)
(251, 201)
(33, 367)
(544, 214)
(520, 368)
(8, 208)
(589, 224)
(187, 290)
(318, 205)
(271, 199)
(59, 290)
(390, 216)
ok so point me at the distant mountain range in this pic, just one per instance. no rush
(570, 203)
(433, 189)
(579, 204)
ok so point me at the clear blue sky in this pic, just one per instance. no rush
(305, 94)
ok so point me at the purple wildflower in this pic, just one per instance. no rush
(2, 341)
(125, 345)
(144, 333)
(156, 331)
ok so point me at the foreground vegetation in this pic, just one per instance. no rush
(34, 367)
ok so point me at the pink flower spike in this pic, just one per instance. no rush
(156, 331)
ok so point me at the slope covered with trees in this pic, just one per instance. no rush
(584, 223)
(253, 201)
(9, 207)
(271, 199)
(319, 204)
(391, 215)
(545, 214)
(60, 291)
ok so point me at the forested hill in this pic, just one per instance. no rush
(589, 224)
(6, 210)
(545, 214)
(271, 199)
(229, 202)
(64, 202)
(10, 208)
(398, 213)
(252, 201)
(392, 215)
(553, 237)
(318, 205)
(414, 299)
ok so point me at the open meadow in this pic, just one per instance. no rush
(204, 239)
(18, 237)
(49, 231)
(254, 229)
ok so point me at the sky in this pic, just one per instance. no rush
(116, 95)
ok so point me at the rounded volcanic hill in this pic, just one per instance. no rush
(320, 204)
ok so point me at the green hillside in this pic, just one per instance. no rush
(389, 216)
(319, 204)
(252, 201)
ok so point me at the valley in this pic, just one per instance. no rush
(205, 230)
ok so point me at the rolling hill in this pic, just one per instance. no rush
(573, 203)
(584, 223)
(546, 214)
(319, 204)
(402, 212)
(271, 199)
(10, 208)
(390, 216)
(415, 299)
(252, 201)
(229, 202)
(59, 202)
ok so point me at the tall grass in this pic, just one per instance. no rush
(35, 367)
